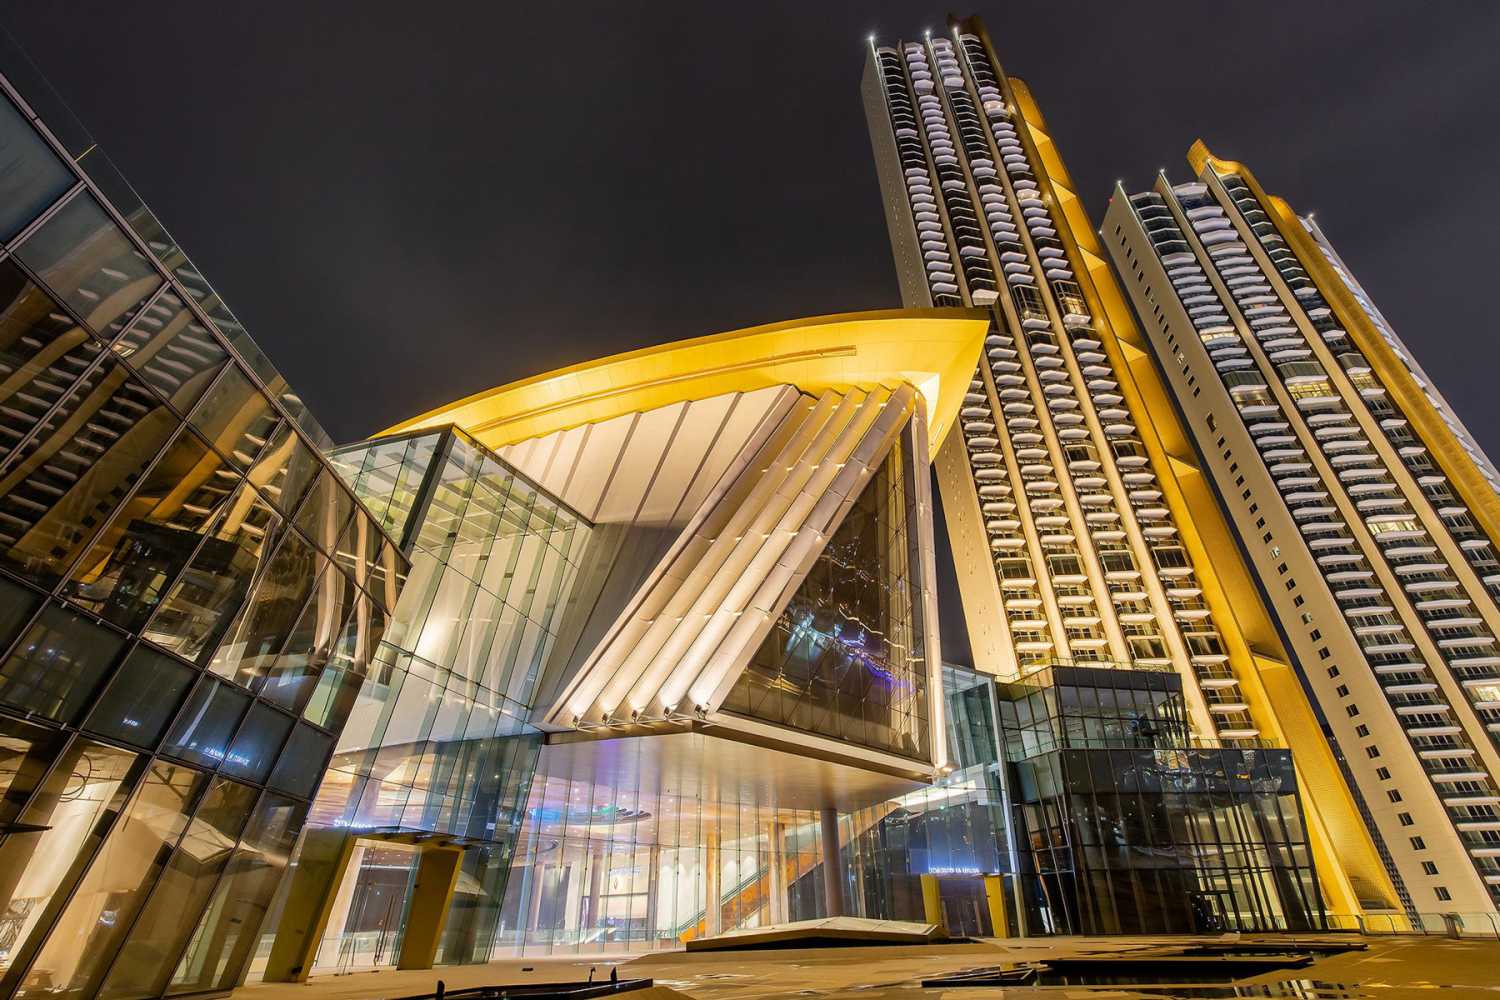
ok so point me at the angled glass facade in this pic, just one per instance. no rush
(179, 570)
(845, 657)
(437, 747)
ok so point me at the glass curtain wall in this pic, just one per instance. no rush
(846, 657)
(1127, 825)
(179, 571)
(610, 866)
(436, 741)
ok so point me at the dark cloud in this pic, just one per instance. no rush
(406, 203)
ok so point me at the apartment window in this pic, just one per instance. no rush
(1342, 690)
(1213, 426)
(1361, 731)
(1352, 710)
(1428, 868)
(1383, 773)
(1281, 568)
(1323, 653)
(1333, 671)
(1442, 893)
(1306, 618)
(1234, 467)
(1245, 495)
(1299, 601)
(1418, 844)
(1254, 508)
(1291, 584)
(1315, 635)
(1266, 537)
(1372, 752)
(1405, 819)
(1394, 795)
(1260, 522)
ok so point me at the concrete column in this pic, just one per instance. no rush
(932, 903)
(833, 867)
(994, 895)
(653, 886)
(713, 891)
(322, 869)
(431, 899)
(778, 914)
(598, 861)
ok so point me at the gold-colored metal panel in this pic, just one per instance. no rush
(934, 350)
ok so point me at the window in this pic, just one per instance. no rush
(1383, 773)
(1315, 635)
(1353, 710)
(1323, 653)
(1418, 844)
(1442, 893)
(58, 664)
(1405, 819)
(34, 176)
(1362, 731)
(1298, 601)
(1342, 690)
(1372, 752)
(142, 698)
(1333, 671)
(1394, 794)
(91, 265)
(1428, 868)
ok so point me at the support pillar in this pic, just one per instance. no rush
(778, 909)
(994, 895)
(713, 892)
(322, 868)
(833, 866)
(932, 903)
(653, 887)
(431, 899)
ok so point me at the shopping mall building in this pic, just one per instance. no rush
(645, 649)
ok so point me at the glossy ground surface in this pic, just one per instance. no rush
(1388, 969)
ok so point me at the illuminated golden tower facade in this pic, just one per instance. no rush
(1367, 509)
(1083, 528)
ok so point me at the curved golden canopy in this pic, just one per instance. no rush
(936, 350)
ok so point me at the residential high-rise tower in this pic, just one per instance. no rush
(1368, 511)
(1084, 530)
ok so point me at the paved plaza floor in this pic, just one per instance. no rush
(1388, 968)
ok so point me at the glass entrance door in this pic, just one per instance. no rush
(364, 928)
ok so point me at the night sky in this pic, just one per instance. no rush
(406, 203)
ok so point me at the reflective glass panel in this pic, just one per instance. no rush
(26, 751)
(78, 949)
(32, 176)
(207, 723)
(302, 761)
(226, 937)
(42, 353)
(206, 597)
(261, 628)
(236, 418)
(142, 698)
(256, 745)
(140, 553)
(91, 265)
(58, 664)
(144, 964)
(62, 825)
(285, 469)
(174, 353)
(71, 477)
